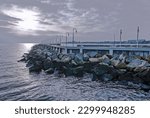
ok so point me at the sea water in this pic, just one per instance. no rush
(16, 83)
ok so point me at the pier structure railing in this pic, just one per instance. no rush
(142, 49)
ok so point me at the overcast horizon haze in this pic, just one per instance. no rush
(95, 20)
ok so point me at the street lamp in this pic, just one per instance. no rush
(120, 37)
(61, 37)
(138, 31)
(73, 38)
(67, 35)
(114, 40)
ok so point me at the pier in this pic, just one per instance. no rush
(102, 48)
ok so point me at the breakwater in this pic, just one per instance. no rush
(134, 71)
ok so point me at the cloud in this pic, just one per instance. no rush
(37, 20)
(27, 21)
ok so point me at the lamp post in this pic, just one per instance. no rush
(67, 35)
(114, 40)
(60, 40)
(73, 38)
(138, 31)
(56, 39)
(120, 37)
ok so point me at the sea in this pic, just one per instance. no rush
(17, 84)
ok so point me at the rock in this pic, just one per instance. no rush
(88, 67)
(66, 58)
(78, 71)
(49, 71)
(148, 58)
(48, 64)
(86, 57)
(129, 59)
(145, 75)
(144, 64)
(122, 58)
(67, 71)
(94, 60)
(107, 77)
(140, 69)
(35, 68)
(115, 57)
(119, 65)
(98, 55)
(101, 69)
(92, 54)
(22, 60)
(141, 86)
(105, 59)
(134, 63)
(73, 62)
(29, 63)
(109, 56)
(60, 56)
(79, 58)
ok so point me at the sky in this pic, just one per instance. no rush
(95, 20)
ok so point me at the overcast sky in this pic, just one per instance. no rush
(95, 20)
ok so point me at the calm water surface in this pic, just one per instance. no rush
(17, 84)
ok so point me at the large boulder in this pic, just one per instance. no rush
(78, 71)
(79, 58)
(48, 64)
(49, 71)
(105, 59)
(122, 57)
(135, 63)
(66, 58)
(94, 60)
(36, 67)
(107, 77)
(92, 54)
(145, 76)
(101, 70)
(86, 57)
(118, 64)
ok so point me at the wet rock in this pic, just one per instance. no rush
(145, 75)
(144, 64)
(49, 71)
(119, 65)
(92, 54)
(66, 58)
(103, 71)
(67, 71)
(98, 55)
(134, 63)
(79, 58)
(78, 71)
(35, 68)
(107, 77)
(22, 60)
(140, 86)
(140, 69)
(94, 60)
(105, 59)
(47, 64)
(122, 58)
(86, 57)
(109, 56)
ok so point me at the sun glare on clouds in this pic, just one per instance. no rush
(28, 20)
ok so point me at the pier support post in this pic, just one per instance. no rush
(111, 51)
(70, 51)
(65, 52)
(81, 50)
